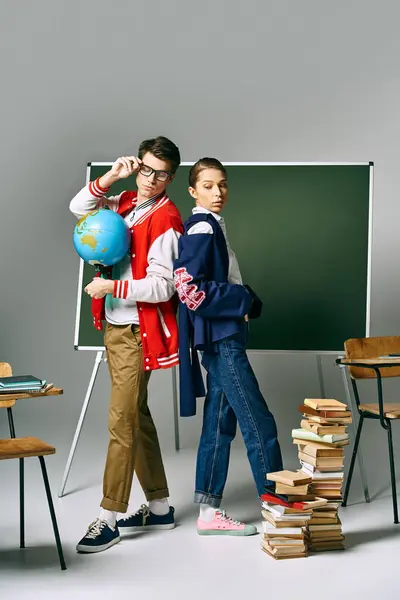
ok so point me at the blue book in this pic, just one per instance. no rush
(21, 382)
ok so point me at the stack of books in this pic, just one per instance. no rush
(23, 384)
(324, 529)
(284, 533)
(320, 441)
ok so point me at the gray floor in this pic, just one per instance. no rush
(179, 564)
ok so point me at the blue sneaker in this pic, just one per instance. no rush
(144, 520)
(99, 536)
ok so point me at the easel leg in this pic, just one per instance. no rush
(175, 404)
(320, 376)
(99, 358)
(354, 412)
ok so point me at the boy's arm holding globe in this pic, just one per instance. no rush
(158, 284)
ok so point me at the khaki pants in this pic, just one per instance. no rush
(133, 442)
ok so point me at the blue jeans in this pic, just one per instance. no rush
(233, 396)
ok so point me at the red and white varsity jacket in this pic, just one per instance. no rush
(157, 320)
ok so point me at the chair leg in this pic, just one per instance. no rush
(21, 485)
(392, 471)
(52, 513)
(353, 460)
(21, 504)
(11, 422)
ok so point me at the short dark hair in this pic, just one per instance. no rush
(163, 149)
(201, 165)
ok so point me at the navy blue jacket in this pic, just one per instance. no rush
(210, 309)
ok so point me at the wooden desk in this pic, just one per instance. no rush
(8, 400)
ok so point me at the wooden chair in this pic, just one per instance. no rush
(26, 447)
(371, 349)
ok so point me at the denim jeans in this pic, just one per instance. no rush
(233, 396)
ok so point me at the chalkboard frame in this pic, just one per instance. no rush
(80, 347)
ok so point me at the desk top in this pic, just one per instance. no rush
(375, 362)
(7, 400)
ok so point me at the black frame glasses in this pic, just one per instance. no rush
(160, 175)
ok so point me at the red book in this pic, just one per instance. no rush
(272, 499)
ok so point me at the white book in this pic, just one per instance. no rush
(279, 511)
(327, 475)
(285, 516)
(282, 531)
(291, 518)
(275, 509)
(309, 468)
(312, 470)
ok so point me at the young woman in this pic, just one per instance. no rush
(215, 307)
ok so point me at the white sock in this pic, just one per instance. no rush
(207, 513)
(108, 515)
(159, 507)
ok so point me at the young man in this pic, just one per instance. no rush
(213, 318)
(139, 304)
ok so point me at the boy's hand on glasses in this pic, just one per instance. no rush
(125, 166)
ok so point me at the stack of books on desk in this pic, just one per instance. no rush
(320, 441)
(285, 521)
(22, 384)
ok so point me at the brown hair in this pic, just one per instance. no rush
(201, 165)
(162, 148)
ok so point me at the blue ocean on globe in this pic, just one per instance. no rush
(102, 237)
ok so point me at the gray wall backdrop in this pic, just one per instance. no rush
(245, 81)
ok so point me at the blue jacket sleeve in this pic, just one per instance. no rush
(208, 299)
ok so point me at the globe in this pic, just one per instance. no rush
(102, 237)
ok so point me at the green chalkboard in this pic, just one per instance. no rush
(301, 235)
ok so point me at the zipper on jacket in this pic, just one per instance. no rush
(163, 323)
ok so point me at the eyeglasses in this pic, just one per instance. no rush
(160, 175)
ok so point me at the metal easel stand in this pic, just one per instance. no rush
(353, 410)
(85, 405)
(98, 360)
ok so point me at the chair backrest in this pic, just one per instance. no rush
(5, 369)
(372, 347)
